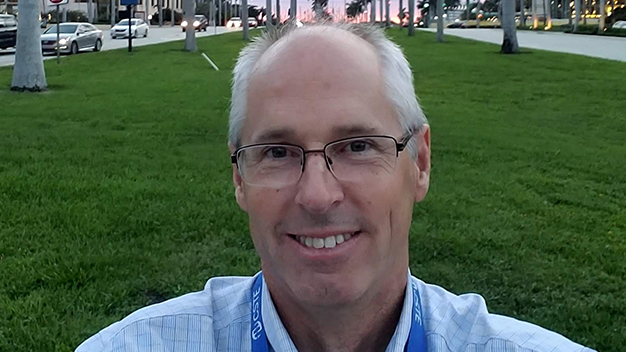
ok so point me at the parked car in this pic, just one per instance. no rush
(138, 27)
(8, 31)
(252, 22)
(619, 25)
(457, 24)
(200, 23)
(74, 37)
(234, 22)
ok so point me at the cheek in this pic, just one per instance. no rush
(266, 207)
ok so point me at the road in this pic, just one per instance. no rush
(612, 48)
(156, 35)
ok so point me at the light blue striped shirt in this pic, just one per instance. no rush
(217, 319)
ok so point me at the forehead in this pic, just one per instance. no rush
(318, 83)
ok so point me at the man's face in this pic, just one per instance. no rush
(308, 91)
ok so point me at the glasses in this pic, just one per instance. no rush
(348, 159)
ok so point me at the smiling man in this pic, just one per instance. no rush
(330, 152)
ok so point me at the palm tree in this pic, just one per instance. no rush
(411, 18)
(602, 16)
(577, 16)
(440, 21)
(28, 72)
(189, 10)
(244, 19)
(319, 7)
(509, 42)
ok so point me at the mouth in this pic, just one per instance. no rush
(327, 242)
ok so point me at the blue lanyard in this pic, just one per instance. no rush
(417, 334)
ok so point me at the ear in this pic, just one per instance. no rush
(238, 182)
(422, 163)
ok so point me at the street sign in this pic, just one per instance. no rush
(57, 2)
(127, 2)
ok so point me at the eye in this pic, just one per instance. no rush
(358, 146)
(277, 152)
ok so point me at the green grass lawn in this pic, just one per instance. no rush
(115, 187)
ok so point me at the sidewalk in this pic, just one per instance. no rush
(612, 48)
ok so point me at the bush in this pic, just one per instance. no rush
(72, 16)
(167, 16)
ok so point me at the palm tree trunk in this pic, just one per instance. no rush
(439, 21)
(547, 5)
(509, 42)
(400, 13)
(189, 10)
(411, 18)
(268, 14)
(28, 72)
(577, 15)
(387, 17)
(477, 13)
(602, 16)
(522, 17)
(278, 12)
(373, 11)
(90, 11)
(535, 17)
(244, 19)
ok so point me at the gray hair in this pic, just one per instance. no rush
(396, 73)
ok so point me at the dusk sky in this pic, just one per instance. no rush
(332, 4)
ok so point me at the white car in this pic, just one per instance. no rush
(138, 27)
(619, 25)
(234, 22)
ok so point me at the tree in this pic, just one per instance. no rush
(440, 21)
(189, 10)
(509, 41)
(319, 8)
(577, 16)
(28, 71)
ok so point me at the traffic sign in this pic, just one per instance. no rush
(57, 2)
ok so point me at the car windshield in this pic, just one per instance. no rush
(64, 28)
(125, 23)
(199, 18)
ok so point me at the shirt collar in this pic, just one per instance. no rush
(280, 340)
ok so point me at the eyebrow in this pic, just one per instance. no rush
(288, 134)
(273, 135)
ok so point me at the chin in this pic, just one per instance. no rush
(327, 290)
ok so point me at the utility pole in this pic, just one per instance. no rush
(278, 12)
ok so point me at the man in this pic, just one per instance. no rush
(330, 151)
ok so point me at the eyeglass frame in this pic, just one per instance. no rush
(400, 146)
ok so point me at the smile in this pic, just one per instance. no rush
(324, 242)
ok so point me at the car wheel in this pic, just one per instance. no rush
(113, 37)
(145, 34)
(98, 45)
(74, 48)
(135, 34)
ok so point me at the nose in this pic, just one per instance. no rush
(318, 189)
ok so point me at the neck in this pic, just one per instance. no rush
(367, 325)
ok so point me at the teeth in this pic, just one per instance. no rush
(328, 242)
(318, 243)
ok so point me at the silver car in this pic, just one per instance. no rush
(137, 26)
(74, 37)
